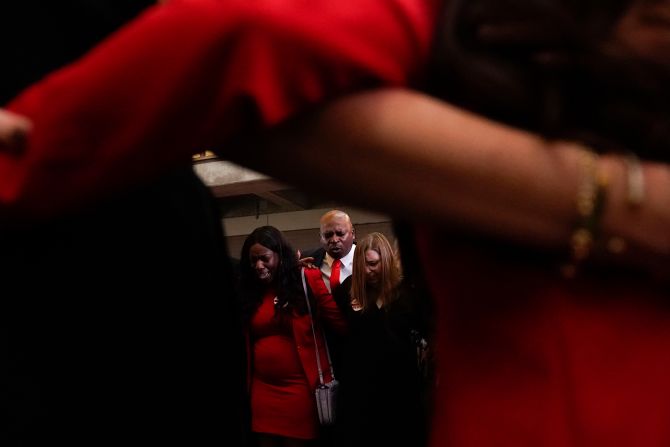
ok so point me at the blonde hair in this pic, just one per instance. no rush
(389, 275)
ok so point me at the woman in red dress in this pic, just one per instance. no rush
(282, 357)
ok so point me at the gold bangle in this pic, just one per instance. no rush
(589, 204)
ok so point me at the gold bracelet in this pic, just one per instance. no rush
(589, 203)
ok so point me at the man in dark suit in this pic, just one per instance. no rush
(335, 257)
(120, 320)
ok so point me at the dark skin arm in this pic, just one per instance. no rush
(407, 154)
(522, 189)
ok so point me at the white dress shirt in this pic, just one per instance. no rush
(345, 269)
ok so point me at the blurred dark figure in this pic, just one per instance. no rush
(121, 324)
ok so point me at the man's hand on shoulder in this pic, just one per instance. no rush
(307, 262)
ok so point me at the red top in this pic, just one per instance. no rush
(192, 75)
(528, 358)
(283, 354)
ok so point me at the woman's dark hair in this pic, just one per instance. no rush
(562, 68)
(287, 284)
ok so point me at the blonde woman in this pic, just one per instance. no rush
(380, 400)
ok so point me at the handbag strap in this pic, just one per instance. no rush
(316, 345)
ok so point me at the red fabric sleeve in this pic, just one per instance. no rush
(192, 75)
(326, 310)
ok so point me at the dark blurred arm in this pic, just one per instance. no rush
(421, 159)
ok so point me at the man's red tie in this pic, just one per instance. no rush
(335, 274)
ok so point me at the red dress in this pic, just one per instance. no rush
(283, 371)
(282, 401)
(528, 358)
